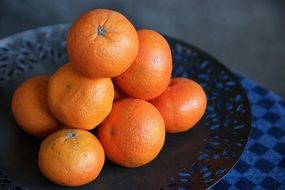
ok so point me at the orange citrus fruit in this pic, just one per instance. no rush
(150, 73)
(133, 133)
(30, 108)
(71, 157)
(102, 43)
(78, 101)
(182, 104)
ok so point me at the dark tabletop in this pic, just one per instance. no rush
(247, 36)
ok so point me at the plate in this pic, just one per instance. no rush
(192, 160)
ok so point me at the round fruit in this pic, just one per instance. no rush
(71, 157)
(182, 104)
(30, 108)
(78, 101)
(102, 43)
(150, 73)
(133, 133)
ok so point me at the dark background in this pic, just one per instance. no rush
(247, 36)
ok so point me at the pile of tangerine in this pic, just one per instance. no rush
(119, 82)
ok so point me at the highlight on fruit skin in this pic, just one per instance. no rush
(30, 107)
(79, 101)
(133, 134)
(150, 72)
(102, 43)
(71, 157)
(182, 104)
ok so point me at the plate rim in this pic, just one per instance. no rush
(184, 43)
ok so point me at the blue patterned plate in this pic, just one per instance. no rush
(192, 160)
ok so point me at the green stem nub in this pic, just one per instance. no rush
(101, 31)
(70, 134)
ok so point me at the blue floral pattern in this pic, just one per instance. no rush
(227, 117)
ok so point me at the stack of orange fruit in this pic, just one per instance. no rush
(119, 82)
